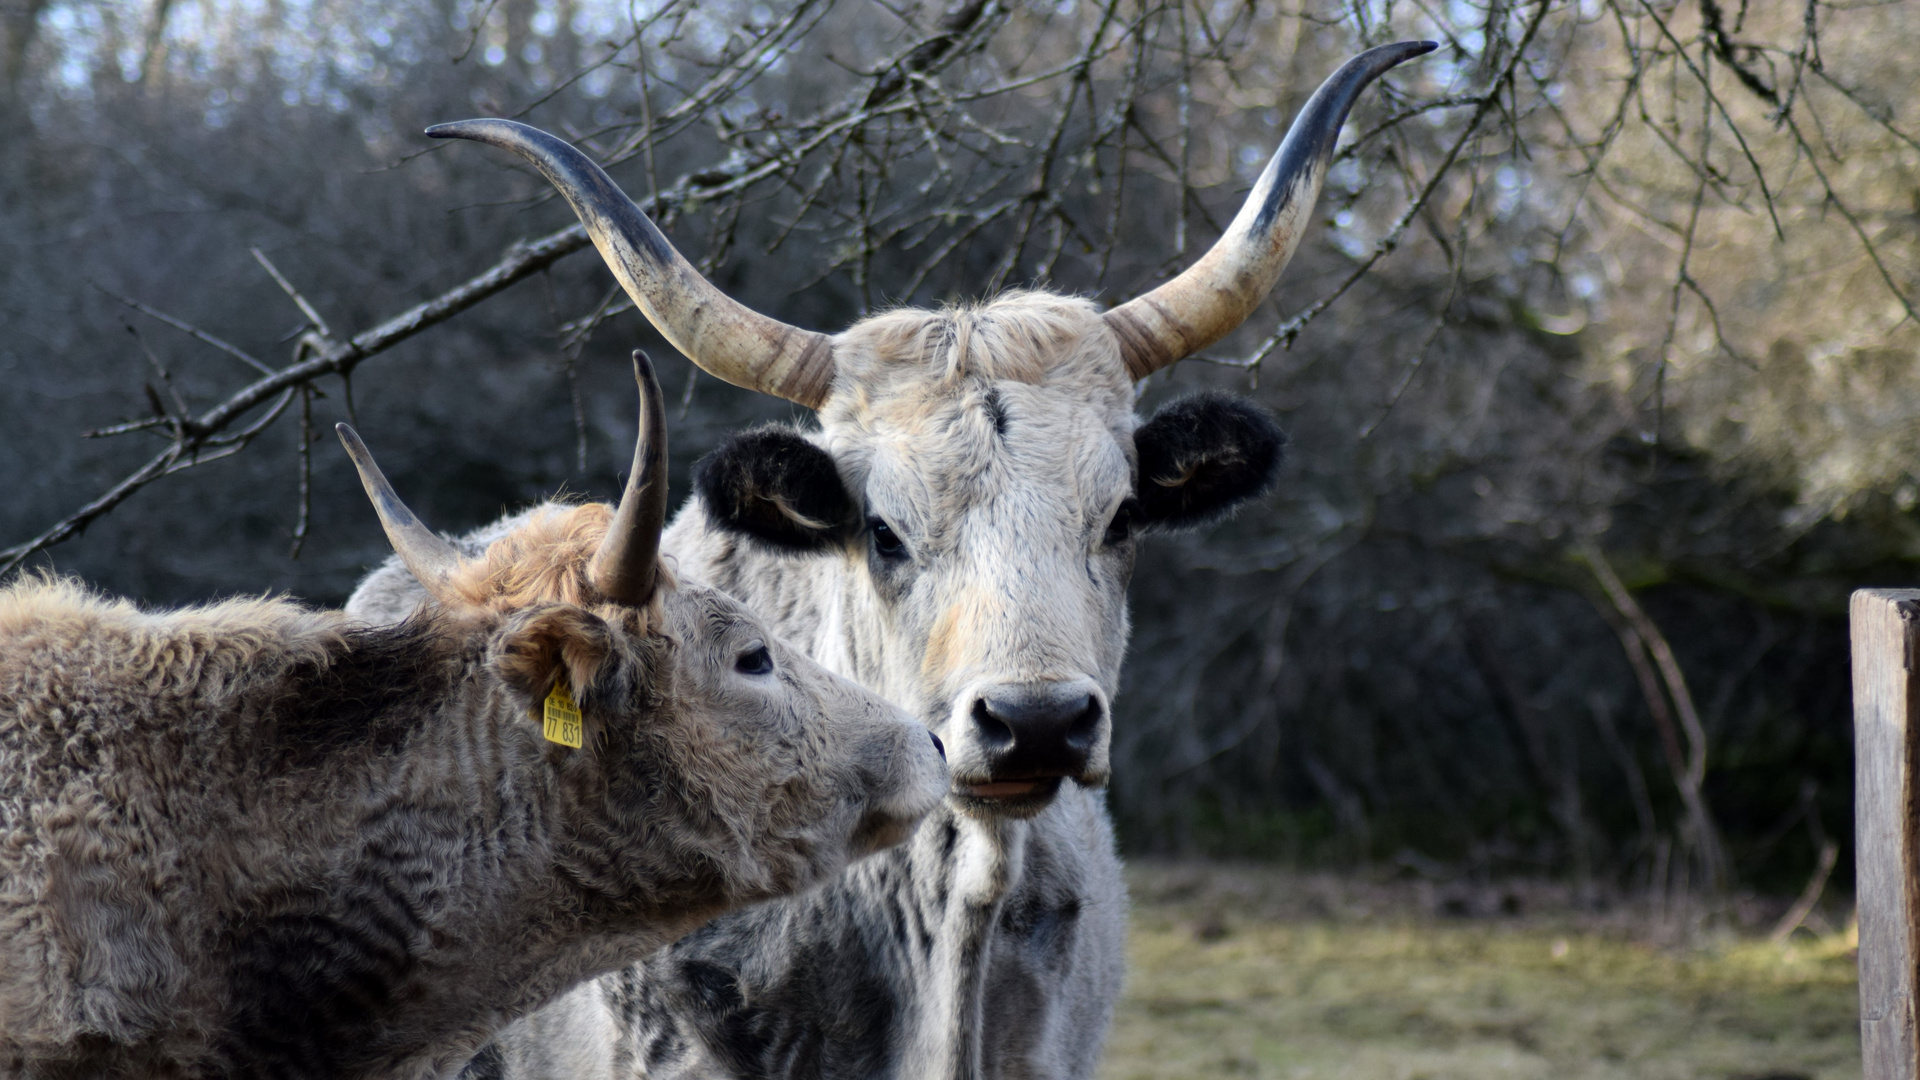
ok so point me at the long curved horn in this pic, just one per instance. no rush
(727, 339)
(1217, 293)
(428, 557)
(624, 568)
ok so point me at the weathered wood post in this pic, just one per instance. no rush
(1886, 691)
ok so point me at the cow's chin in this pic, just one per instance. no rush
(1003, 799)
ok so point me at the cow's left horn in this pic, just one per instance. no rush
(427, 556)
(625, 567)
(727, 339)
(1217, 293)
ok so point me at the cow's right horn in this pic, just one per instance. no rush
(428, 557)
(727, 339)
(625, 568)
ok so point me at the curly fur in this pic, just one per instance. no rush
(543, 558)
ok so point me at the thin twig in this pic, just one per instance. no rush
(1739, 137)
(286, 286)
(306, 473)
(1796, 916)
(179, 413)
(190, 330)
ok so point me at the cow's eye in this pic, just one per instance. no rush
(886, 541)
(756, 661)
(1120, 529)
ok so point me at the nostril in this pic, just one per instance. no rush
(938, 745)
(1086, 726)
(995, 734)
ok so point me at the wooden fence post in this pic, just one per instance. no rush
(1886, 694)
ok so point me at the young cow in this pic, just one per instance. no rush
(254, 839)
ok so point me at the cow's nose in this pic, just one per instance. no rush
(1038, 729)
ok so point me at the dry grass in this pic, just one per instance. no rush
(1239, 972)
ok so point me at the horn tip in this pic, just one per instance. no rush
(463, 129)
(642, 365)
(1383, 57)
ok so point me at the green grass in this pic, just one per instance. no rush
(1248, 973)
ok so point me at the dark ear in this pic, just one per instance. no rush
(1201, 456)
(540, 645)
(775, 486)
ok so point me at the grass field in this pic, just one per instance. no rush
(1242, 973)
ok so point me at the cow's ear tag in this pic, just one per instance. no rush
(561, 716)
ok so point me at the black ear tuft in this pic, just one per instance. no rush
(775, 486)
(1201, 456)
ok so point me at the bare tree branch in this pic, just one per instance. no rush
(322, 355)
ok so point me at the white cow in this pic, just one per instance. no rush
(957, 535)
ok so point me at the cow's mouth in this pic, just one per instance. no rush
(1008, 798)
(1010, 789)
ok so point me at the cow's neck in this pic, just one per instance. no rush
(986, 865)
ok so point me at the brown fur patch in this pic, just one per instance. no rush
(562, 637)
(545, 561)
(957, 630)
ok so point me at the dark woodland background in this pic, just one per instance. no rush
(1600, 371)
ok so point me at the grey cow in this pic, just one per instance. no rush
(957, 535)
(255, 839)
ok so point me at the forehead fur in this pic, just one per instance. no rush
(1019, 406)
(543, 561)
(1033, 337)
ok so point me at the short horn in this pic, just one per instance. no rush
(428, 557)
(727, 339)
(1217, 293)
(625, 569)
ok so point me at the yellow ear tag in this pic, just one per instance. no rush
(562, 717)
